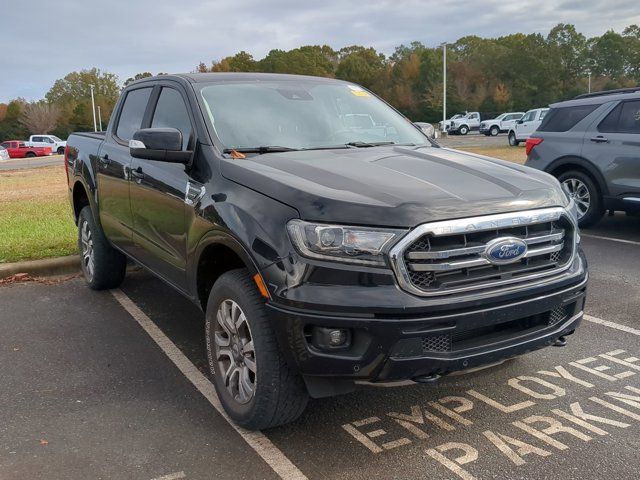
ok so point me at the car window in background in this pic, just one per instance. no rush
(543, 113)
(55, 139)
(132, 113)
(171, 112)
(307, 114)
(564, 119)
(528, 116)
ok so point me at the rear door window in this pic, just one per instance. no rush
(132, 113)
(630, 117)
(625, 118)
(564, 119)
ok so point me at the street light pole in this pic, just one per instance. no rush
(589, 81)
(444, 84)
(93, 109)
(100, 117)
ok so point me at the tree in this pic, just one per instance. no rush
(137, 76)
(3, 111)
(72, 95)
(609, 55)
(39, 117)
(360, 65)
(568, 49)
(10, 126)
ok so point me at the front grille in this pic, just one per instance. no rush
(449, 257)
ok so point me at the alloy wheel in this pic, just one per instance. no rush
(234, 351)
(86, 246)
(579, 192)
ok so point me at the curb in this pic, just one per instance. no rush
(42, 268)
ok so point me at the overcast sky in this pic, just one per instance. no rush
(43, 40)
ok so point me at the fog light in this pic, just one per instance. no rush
(337, 337)
(331, 338)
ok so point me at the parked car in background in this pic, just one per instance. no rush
(4, 155)
(444, 125)
(19, 149)
(526, 126)
(501, 124)
(469, 122)
(592, 145)
(57, 145)
(270, 221)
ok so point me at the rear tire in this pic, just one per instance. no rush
(584, 192)
(254, 383)
(494, 131)
(103, 266)
(29, 155)
(513, 141)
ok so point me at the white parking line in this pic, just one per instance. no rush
(607, 323)
(172, 476)
(271, 454)
(619, 240)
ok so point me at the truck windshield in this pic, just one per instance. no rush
(306, 114)
(55, 139)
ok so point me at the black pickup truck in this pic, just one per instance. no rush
(327, 239)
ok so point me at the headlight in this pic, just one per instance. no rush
(341, 243)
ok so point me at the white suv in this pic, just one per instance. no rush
(501, 124)
(528, 124)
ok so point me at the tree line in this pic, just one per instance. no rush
(513, 72)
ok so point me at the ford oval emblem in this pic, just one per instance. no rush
(505, 250)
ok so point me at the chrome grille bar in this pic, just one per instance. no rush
(475, 262)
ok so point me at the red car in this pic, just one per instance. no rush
(19, 149)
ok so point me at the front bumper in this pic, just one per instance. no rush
(391, 346)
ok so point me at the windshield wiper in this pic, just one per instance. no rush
(261, 149)
(368, 144)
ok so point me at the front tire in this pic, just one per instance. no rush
(494, 131)
(30, 155)
(254, 383)
(103, 267)
(585, 194)
(464, 130)
(60, 151)
(513, 141)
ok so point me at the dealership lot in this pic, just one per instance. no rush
(88, 393)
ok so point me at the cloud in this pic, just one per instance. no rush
(130, 36)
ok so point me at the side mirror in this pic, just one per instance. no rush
(160, 144)
(519, 122)
(426, 128)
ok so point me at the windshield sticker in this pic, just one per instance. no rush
(358, 91)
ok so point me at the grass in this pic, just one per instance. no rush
(35, 216)
(511, 154)
(36, 220)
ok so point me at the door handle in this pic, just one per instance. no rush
(599, 139)
(138, 174)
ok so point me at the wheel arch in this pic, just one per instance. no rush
(564, 164)
(217, 253)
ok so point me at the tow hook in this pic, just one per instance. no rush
(560, 342)
(427, 378)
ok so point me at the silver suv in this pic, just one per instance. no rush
(592, 145)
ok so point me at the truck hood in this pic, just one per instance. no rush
(394, 186)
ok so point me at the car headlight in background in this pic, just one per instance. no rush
(341, 243)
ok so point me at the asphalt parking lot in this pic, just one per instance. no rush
(110, 385)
